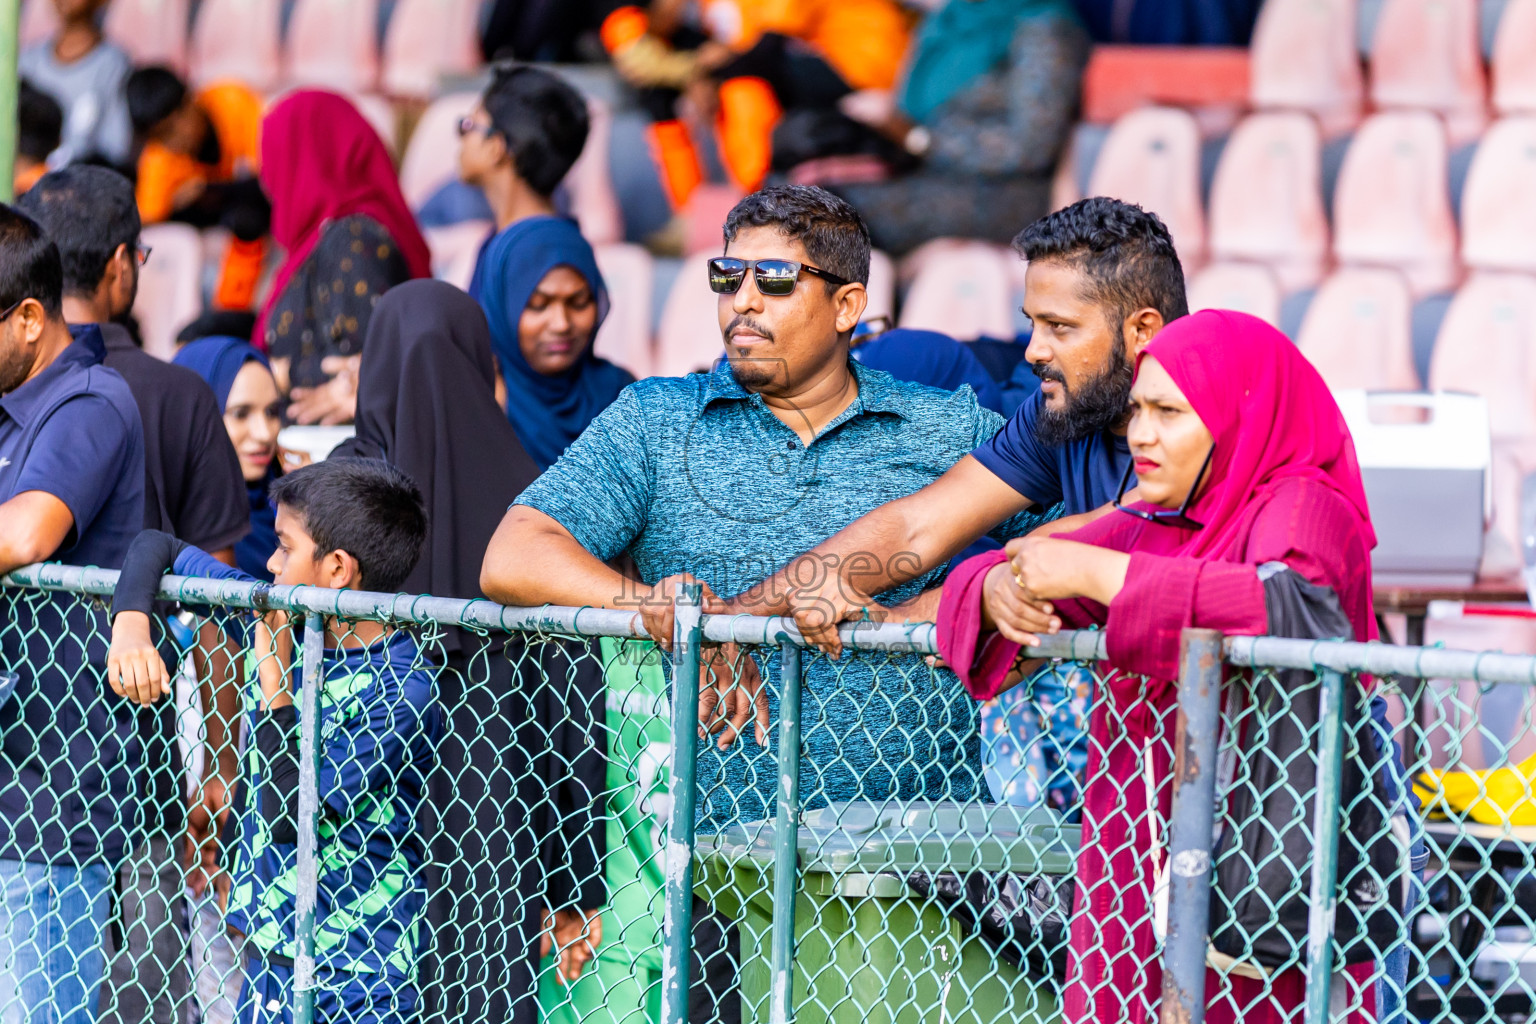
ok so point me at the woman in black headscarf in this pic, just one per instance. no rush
(514, 824)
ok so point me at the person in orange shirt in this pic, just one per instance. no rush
(760, 58)
(40, 124)
(197, 165)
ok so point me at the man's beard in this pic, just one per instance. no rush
(1095, 405)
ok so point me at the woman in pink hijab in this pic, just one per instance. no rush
(1242, 460)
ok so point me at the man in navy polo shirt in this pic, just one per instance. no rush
(1103, 279)
(71, 488)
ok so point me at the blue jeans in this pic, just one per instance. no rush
(51, 924)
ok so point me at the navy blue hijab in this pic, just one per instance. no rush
(928, 357)
(218, 361)
(547, 412)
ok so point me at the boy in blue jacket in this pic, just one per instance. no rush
(343, 524)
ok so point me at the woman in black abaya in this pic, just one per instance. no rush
(513, 816)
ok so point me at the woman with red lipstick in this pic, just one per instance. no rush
(1245, 469)
(545, 299)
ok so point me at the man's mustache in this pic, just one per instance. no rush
(1045, 371)
(749, 324)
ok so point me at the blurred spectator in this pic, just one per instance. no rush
(545, 299)
(928, 357)
(542, 30)
(247, 394)
(988, 102)
(338, 213)
(197, 164)
(760, 58)
(520, 141)
(85, 74)
(1170, 22)
(192, 489)
(73, 490)
(40, 125)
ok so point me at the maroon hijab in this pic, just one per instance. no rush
(321, 161)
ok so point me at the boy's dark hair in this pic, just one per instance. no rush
(1125, 252)
(88, 212)
(543, 120)
(832, 233)
(365, 507)
(29, 263)
(39, 121)
(154, 94)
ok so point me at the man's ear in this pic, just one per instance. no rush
(340, 571)
(851, 300)
(1140, 328)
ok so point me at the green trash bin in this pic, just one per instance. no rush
(868, 948)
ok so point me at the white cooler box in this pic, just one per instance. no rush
(1426, 460)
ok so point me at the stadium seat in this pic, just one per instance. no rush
(170, 286)
(1304, 58)
(1266, 201)
(1498, 207)
(705, 215)
(378, 112)
(594, 203)
(1152, 158)
(1426, 56)
(1246, 287)
(1392, 206)
(151, 31)
(432, 154)
(455, 247)
(333, 44)
(1357, 331)
(1487, 346)
(1119, 79)
(688, 337)
(1514, 59)
(426, 40)
(625, 337)
(238, 39)
(963, 290)
(39, 20)
(881, 287)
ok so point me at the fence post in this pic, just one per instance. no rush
(1194, 817)
(309, 818)
(786, 837)
(677, 919)
(1325, 843)
(10, 93)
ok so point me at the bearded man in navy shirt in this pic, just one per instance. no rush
(71, 488)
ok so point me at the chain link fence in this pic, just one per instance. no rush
(459, 786)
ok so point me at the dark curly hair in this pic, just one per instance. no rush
(831, 232)
(1125, 252)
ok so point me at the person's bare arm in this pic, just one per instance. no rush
(895, 543)
(33, 525)
(533, 560)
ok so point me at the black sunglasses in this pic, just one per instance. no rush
(774, 277)
(1168, 517)
(13, 307)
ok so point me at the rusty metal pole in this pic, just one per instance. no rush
(1190, 832)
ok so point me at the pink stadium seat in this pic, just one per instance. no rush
(688, 337)
(1152, 158)
(432, 154)
(1358, 331)
(426, 40)
(594, 203)
(170, 286)
(236, 39)
(1267, 199)
(964, 291)
(705, 213)
(881, 287)
(333, 44)
(1487, 345)
(625, 337)
(1498, 206)
(1246, 287)
(1514, 59)
(378, 112)
(455, 247)
(1392, 207)
(39, 21)
(1304, 58)
(1427, 55)
(151, 31)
